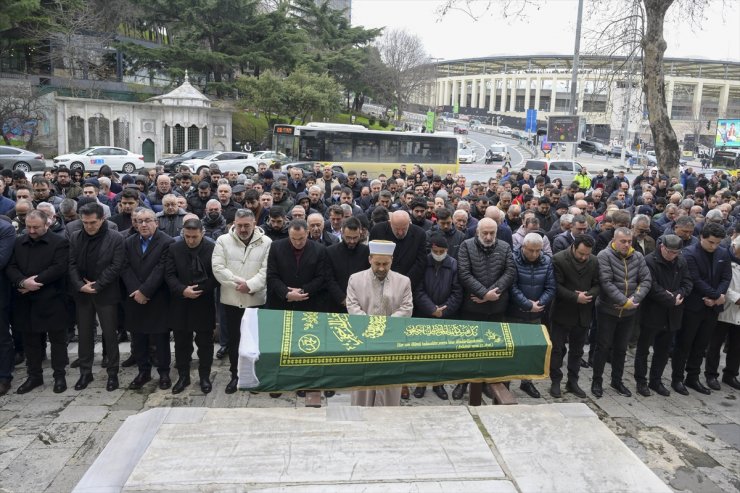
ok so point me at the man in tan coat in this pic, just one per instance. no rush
(379, 291)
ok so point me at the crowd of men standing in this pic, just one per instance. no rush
(654, 263)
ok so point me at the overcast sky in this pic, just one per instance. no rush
(549, 30)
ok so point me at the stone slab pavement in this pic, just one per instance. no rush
(48, 441)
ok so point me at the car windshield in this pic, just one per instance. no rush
(535, 165)
(495, 148)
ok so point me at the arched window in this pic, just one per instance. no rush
(75, 133)
(178, 139)
(120, 133)
(98, 130)
(193, 137)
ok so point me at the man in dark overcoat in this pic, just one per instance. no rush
(189, 275)
(147, 298)
(38, 272)
(344, 259)
(296, 272)
(95, 262)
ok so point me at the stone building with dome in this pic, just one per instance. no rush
(162, 125)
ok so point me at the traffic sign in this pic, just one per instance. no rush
(563, 129)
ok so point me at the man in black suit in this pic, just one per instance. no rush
(344, 259)
(711, 270)
(38, 271)
(409, 257)
(147, 298)
(95, 262)
(296, 271)
(189, 275)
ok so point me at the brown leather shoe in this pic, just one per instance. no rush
(404, 392)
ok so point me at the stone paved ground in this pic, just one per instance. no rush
(47, 440)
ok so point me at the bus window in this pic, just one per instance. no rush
(338, 147)
(312, 148)
(366, 150)
(389, 147)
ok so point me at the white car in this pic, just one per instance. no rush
(466, 155)
(241, 162)
(92, 158)
(503, 130)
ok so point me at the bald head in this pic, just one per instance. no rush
(400, 222)
(494, 213)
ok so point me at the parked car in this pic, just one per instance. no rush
(93, 158)
(460, 129)
(241, 162)
(616, 151)
(592, 147)
(565, 169)
(534, 165)
(307, 167)
(270, 157)
(171, 163)
(22, 159)
(466, 154)
(503, 130)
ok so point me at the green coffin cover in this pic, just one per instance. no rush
(313, 350)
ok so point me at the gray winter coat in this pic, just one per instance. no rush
(621, 278)
(481, 270)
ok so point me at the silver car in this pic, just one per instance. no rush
(26, 161)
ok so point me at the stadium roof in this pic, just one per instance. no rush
(511, 64)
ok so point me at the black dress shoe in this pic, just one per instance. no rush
(329, 393)
(181, 383)
(419, 392)
(30, 384)
(301, 393)
(205, 385)
(731, 381)
(405, 393)
(84, 381)
(679, 387)
(164, 381)
(643, 389)
(129, 362)
(694, 383)
(659, 388)
(105, 361)
(713, 383)
(619, 387)
(231, 386)
(112, 383)
(596, 389)
(4, 387)
(222, 351)
(60, 385)
(441, 392)
(139, 381)
(573, 388)
(459, 391)
(275, 395)
(486, 388)
(529, 388)
(555, 390)
(75, 363)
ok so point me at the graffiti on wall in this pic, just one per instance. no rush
(19, 129)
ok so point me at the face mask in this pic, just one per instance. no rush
(336, 196)
(213, 215)
(439, 258)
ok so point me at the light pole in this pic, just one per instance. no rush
(574, 75)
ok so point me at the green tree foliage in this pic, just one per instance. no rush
(299, 96)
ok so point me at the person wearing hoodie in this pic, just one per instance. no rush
(625, 282)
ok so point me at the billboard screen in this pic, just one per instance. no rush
(563, 129)
(727, 133)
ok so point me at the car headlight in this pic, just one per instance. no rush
(61, 160)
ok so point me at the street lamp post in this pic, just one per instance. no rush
(574, 75)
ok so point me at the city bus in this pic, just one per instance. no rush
(353, 147)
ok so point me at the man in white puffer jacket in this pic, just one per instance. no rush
(240, 266)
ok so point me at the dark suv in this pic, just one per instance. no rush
(171, 163)
(592, 147)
